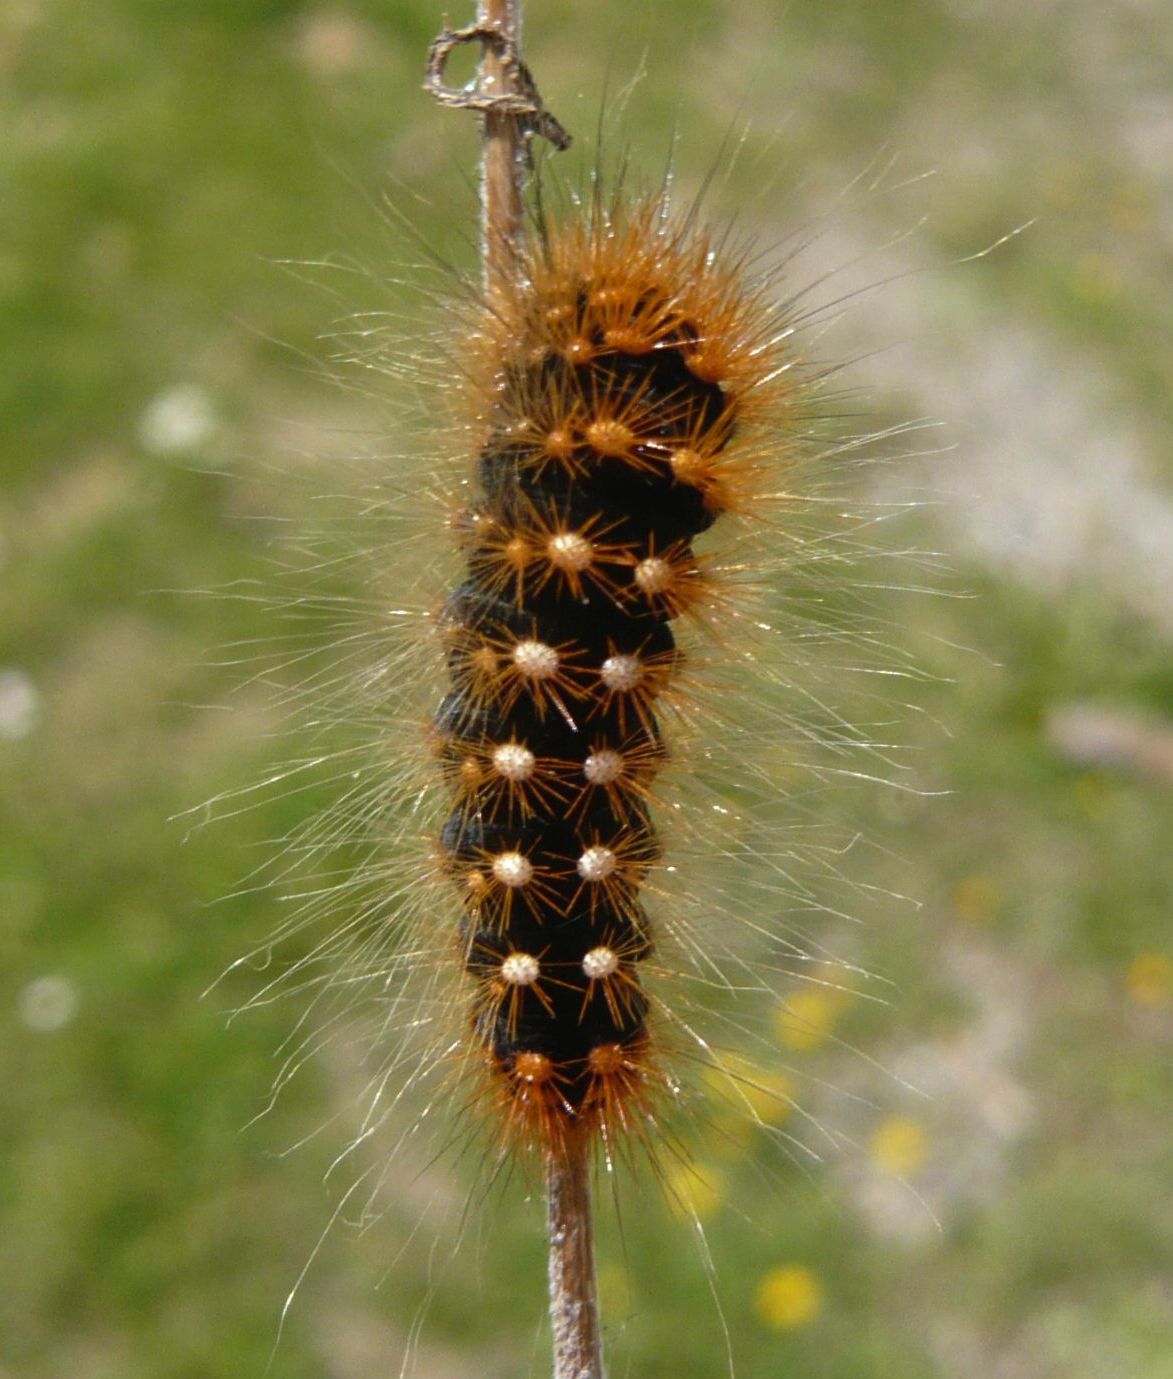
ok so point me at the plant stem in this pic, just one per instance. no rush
(502, 154)
(574, 1303)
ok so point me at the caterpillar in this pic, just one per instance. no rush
(632, 389)
(582, 657)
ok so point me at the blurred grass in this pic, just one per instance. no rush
(158, 157)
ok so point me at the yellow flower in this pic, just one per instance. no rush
(899, 1146)
(806, 1018)
(1150, 979)
(694, 1191)
(789, 1297)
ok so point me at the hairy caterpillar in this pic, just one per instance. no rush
(629, 469)
(634, 388)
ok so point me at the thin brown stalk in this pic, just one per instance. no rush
(502, 153)
(574, 1304)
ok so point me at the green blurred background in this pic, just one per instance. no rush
(1016, 1221)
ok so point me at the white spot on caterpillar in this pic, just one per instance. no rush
(512, 869)
(520, 969)
(597, 863)
(600, 963)
(621, 672)
(654, 575)
(535, 660)
(570, 551)
(603, 767)
(513, 761)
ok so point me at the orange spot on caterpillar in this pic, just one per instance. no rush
(471, 774)
(484, 664)
(621, 1090)
(708, 364)
(578, 351)
(605, 1060)
(559, 444)
(690, 467)
(535, 1069)
(610, 437)
(476, 884)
